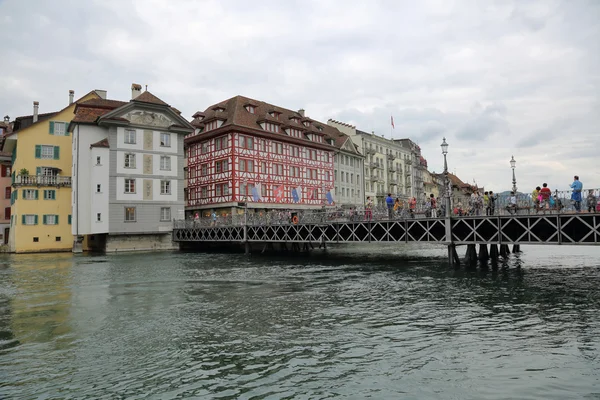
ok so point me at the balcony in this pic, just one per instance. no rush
(373, 165)
(42, 180)
(374, 178)
(393, 182)
(370, 150)
(407, 173)
(391, 157)
(391, 168)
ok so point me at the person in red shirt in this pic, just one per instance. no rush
(545, 192)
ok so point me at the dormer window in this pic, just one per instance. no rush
(296, 120)
(271, 127)
(274, 114)
(306, 123)
(251, 109)
(320, 128)
(219, 109)
(211, 125)
(294, 133)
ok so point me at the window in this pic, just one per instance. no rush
(46, 152)
(98, 217)
(204, 192)
(98, 188)
(295, 150)
(312, 173)
(246, 166)
(251, 109)
(50, 219)
(263, 190)
(58, 238)
(326, 175)
(7, 213)
(49, 194)
(30, 194)
(165, 213)
(129, 185)
(278, 169)
(36, 239)
(294, 172)
(98, 160)
(165, 139)
(246, 189)
(278, 148)
(221, 166)
(165, 187)
(205, 148)
(271, 127)
(29, 219)
(221, 143)
(129, 214)
(312, 154)
(129, 160)
(209, 126)
(222, 189)
(263, 167)
(246, 142)
(130, 136)
(47, 171)
(58, 128)
(7, 192)
(165, 163)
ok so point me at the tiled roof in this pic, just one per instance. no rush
(27, 120)
(102, 143)
(236, 114)
(103, 103)
(148, 97)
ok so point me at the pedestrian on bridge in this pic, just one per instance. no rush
(390, 205)
(545, 192)
(591, 201)
(369, 209)
(433, 206)
(577, 187)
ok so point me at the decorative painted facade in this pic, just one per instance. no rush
(40, 145)
(249, 151)
(128, 173)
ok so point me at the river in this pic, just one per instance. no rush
(356, 322)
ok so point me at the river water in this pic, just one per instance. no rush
(356, 322)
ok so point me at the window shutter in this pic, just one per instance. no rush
(38, 170)
(23, 219)
(66, 128)
(69, 218)
(36, 220)
(38, 151)
(51, 128)
(16, 194)
(56, 152)
(56, 221)
(36, 194)
(23, 193)
(44, 219)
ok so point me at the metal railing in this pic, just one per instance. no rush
(42, 180)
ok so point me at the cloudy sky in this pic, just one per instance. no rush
(496, 78)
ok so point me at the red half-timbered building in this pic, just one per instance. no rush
(268, 156)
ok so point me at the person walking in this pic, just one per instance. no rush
(577, 187)
(390, 205)
(512, 204)
(412, 205)
(591, 201)
(492, 202)
(433, 203)
(535, 196)
(213, 217)
(545, 192)
(486, 202)
(369, 209)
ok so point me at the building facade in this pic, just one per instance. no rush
(128, 173)
(5, 206)
(40, 145)
(387, 166)
(265, 156)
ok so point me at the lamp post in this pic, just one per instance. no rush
(513, 164)
(446, 180)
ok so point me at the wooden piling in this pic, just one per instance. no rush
(483, 252)
(494, 251)
(516, 248)
(504, 250)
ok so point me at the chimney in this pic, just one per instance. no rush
(101, 93)
(36, 105)
(301, 111)
(71, 95)
(6, 119)
(136, 90)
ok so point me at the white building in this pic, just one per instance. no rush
(127, 173)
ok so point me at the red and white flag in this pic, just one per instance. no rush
(392, 118)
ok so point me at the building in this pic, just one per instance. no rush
(40, 145)
(388, 164)
(128, 173)
(269, 157)
(348, 170)
(5, 183)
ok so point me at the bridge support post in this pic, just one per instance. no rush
(247, 248)
(494, 251)
(516, 248)
(504, 250)
(453, 257)
(471, 255)
(483, 252)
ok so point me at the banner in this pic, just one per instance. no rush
(329, 198)
(256, 192)
(278, 193)
(297, 194)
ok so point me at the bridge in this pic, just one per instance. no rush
(330, 228)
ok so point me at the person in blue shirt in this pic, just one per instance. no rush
(577, 187)
(390, 205)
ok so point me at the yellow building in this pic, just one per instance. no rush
(41, 148)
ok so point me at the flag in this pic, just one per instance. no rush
(392, 118)
(297, 194)
(256, 192)
(310, 194)
(329, 197)
(278, 193)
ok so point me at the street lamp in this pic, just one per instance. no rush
(444, 146)
(513, 164)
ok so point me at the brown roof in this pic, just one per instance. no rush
(102, 103)
(236, 114)
(27, 120)
(102, 143)
(148, 97)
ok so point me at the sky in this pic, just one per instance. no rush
(496, 78)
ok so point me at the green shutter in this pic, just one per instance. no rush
(38, 151)
(52, 127)
(24, 194)
(56, 152)
(23, 219)
(69, 219)
(16, 194)
(66, 128)
(44, 219)
(35, 196)
(56, 216)
(38, 170)
(35, 222)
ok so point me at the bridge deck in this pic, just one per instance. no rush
(580, 229)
